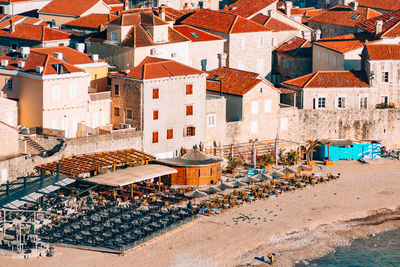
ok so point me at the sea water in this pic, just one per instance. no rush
(381, 250)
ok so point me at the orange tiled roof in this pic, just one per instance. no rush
(68, 7)
(330, 79)
(91, 21)
(296, 46)
(127, 19)
(381, 4)
(383, 51)
(70, 55)
(139, 37)
(344, 16)
(36, 59)
(222, 22)
(247, 8)
(156, 68)
(273, 23)
(344, 43)
(231, 81)
(196, 35)
(34, 33)
(390, 27)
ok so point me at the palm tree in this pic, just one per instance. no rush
(233, 163)
(328, 143)
(267, 160)
(311, 145)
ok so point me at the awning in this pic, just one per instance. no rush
(132, 175)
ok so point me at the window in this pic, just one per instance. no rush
(286, 62)
(156, 93)
(203, 63)
(114, 36)
(341, 102)
(56, 92)
(326, 58)
(253, 127)
(211, 120)
(4, 175)
(284, 124)
(189, 89)
(385, 77)
(189, 110)
(14, 46)
(155, 114)
(267, 106)
(9, 85)
(129, 114)
(155, 137)
(321, 102)
(363, 102)
(170, 133)
(254, 107)
(116, 89)
(116, 111)
(356, 16)
(319, 55)
(385, 99)
(334, 61)
(190, 131)
(73, 90)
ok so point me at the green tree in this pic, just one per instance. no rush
(311, 145)
(267, 160)
(233, 163)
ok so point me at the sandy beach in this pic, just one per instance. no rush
(297, 225)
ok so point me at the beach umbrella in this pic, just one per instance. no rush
(195, 194)
(302, 167)
(212, 190)
(263, 177)
(237, 184)
(277, 173)
(249, 180)
(224, 186)
(288, 170)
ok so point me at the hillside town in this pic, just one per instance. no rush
(121, 120)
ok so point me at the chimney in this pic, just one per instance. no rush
(378, 27)
(126, 4)
(161, 12)
(317, 35)
(39, 69)
(25, 52)
(288, 8)
(95, 57)
(222, 60)
(4, 63)
(21, 64)
(271, 13)
(12, 25)
(80, 47)
(306, 35)
(58, 55)
(354, 6)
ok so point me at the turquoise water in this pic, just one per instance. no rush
(382, 250)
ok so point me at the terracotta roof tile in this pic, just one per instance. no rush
(381, 4)
(390, 27)
(344, 16)
(196, 35)
(70, 55)
(92, 21)
(138, 37)
(296, 46)
(222, 22)
(68, 7)
(330, 79)
(231, 81)
(272, 23)
(126, 19)
(35, 33)
(344, 43)
(383, 51)
(156, 68)
(247, 8)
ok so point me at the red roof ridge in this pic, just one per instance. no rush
(234, 21)
(312, 77)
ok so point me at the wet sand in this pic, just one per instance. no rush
(296, 225)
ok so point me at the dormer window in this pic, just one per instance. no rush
(59, 68)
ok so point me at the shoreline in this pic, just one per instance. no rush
(293, 224)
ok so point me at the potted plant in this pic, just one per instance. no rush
(266, 161)
(311, 145)
(233, 164)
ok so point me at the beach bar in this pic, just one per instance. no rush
(345, 149)
(193, 168)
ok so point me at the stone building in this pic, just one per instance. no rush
(340, 20)
(130, 38)
(166, 100)
(252, 104)
(248, 44)
(8, 129)
(292, 59)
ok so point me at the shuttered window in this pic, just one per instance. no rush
(189, 89)
(155, 114)
(189, 110)
(170, 133)
(155, 137)
(190, 131)
(156, 93)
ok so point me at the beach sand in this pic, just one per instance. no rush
(296, 225)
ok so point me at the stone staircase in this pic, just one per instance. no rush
(34, 145)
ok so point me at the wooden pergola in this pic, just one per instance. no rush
(85, 163)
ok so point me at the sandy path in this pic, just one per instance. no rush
(362, 190)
